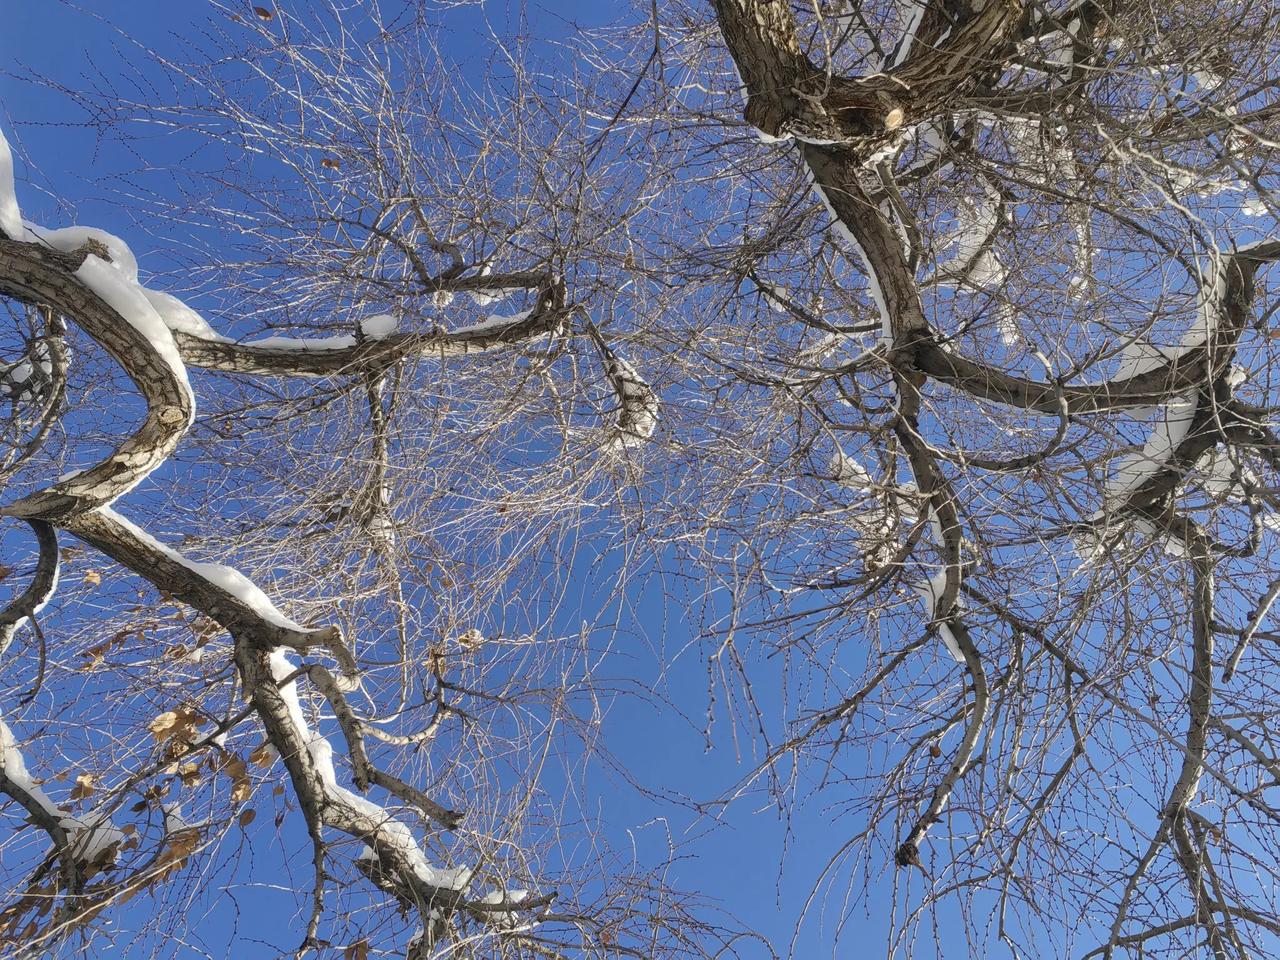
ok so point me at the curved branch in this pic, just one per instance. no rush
(36, 274)
(219, 592)
(363, 771)
(638, 403)
(39, 591)
(16, 783)
(286, 357)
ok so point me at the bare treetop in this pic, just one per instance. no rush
(918, 353)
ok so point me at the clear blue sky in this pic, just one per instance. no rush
(735, 860)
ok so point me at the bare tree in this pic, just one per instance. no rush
(997, 461)
(402, 424)
(926, 345)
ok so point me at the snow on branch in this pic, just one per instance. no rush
(1172, 424)
(29, 377)
(638, 413)
(913, 14)
(92, 277)
(83, 845)
(17, 780)
(1226, 295)
(38, 592)
(931, 591)
(390, 835)
(392, 858)
(974, 260)
(381, 343)
(219, 591)
(10, 213)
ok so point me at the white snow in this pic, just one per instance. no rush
(1207, 79)
(1169, 544)
(116, 282)
(92, 836)
(178, 317)
(1081, 283)
(15, 768)
(1007, 324)
(130, 301)
(512, 896)
(1223, 475)
(1088, 544)
(70, 239)
(485, 297)
(912, 11)
(143, 304)
(1141, 356)
(1254, 207)
(174, 822)
(931, 591)
(220, 575)
(640, 410)
(873, 280)
(390, 830)
(976, 221)
(849, 472)
(340, 342)
(451, 878)
(89, 836)
(377, 327)
(931, 140)
(776, 296)
(505, 919)
(43, 602)
(18, 380)
(494, 322)
(1169, 430)
(1037, 144)
(151, 312)
(10, 215)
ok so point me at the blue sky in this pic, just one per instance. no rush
(66, 170)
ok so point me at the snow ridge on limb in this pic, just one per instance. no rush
(639, 407)
(38, 592)
(13, 768)
(16, 782)
(942, 598)
(263, 638)
(220, 592)
(1149, 376)
(1191, 423)
(81, 285)
(393, 859)
(92, 277)
(329, 356)
(82, 844)
(392, 833)
(10, 213)
(931, 591)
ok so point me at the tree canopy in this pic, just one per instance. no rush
(896, 374)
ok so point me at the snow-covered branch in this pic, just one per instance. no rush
(38, 592)
(381, 345)
(638, 403)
